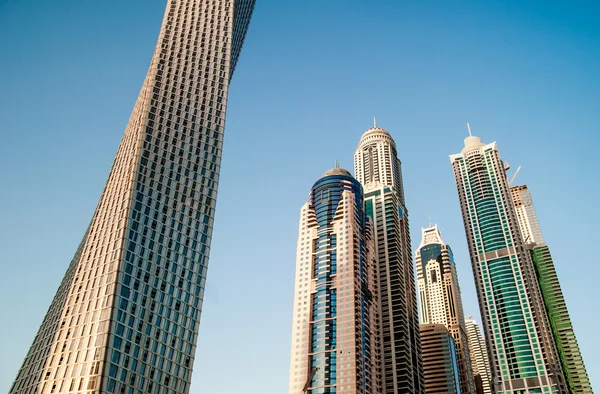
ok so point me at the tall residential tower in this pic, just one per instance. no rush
(440, 299)
(479, 357)
(335, 333)
(521, 349)
(564, 334)
(125, 318)
(378, 169)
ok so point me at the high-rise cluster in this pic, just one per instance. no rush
(355, 325)
(125, 318)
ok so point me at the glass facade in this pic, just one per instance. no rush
(335, 335)
(564, 335)
(522, 356)
(126, 316)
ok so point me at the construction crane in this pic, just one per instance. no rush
(514, 176)
(308, 380)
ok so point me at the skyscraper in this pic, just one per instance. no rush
(335, 336)
(440, 365)
(566, 343)
(479, 357)
(521, 350)
(377, 168)
(440, 299)
(126, 315)
(528, 222)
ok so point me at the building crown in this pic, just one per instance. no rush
(430, 235)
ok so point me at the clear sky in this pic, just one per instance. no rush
(311, 77)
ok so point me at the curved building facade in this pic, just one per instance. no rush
(335, 341)
(125, 318)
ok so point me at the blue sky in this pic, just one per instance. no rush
(310, 79)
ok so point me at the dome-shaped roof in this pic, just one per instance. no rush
(471, 143)
(375, 130)
(336, 171)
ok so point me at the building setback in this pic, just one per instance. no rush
(440, 299)
(440, 365)
(126, 315)
(377, 168)
(564, 335)
(522, 353)
(335, 329)
(479, 357)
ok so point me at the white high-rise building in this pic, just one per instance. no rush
(377, 168)
(479, 358)
(126, 315)
(528, 221)
(440, 299)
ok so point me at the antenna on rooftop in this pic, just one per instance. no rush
(469, 128)
(374, 122)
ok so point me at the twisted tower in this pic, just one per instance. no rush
(126, 315)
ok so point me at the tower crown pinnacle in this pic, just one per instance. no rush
(376, 131)
(431, 235)
(472, 142)
(337, 171)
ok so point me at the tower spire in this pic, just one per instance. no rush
(374, 122)
(469, 128)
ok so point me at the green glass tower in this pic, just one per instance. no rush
(520, 345)
(564, 335)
